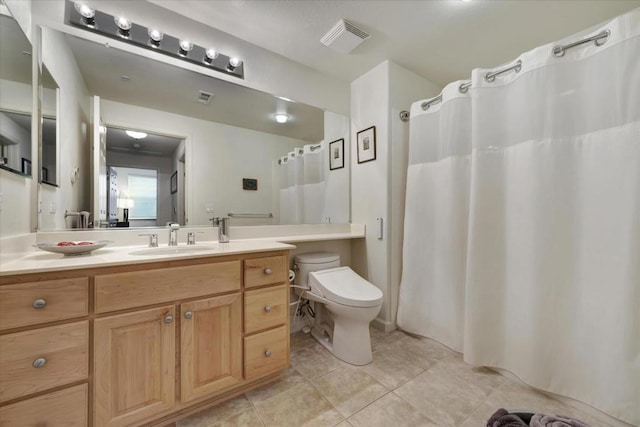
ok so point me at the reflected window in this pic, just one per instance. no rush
(143, 190)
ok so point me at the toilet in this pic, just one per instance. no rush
(346, 304)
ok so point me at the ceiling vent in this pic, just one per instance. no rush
(204, 97)
(344, 37)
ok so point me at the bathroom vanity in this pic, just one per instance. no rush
(102, 342)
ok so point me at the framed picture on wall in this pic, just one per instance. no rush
(250, 184)
(26, 166)
(367, 145)
(336, 154)
(174, 182)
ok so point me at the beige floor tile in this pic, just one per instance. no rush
(247, 418)
(217, 414)
(381, 340)
(314, 361)
(349, 389)
(291, 379)
(345, 423)
(446, 399)
(390, 369)
(483, 378)
(421, 351)
(300, 340)
(390, 410)
(302, 405)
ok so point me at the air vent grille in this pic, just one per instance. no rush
(344, 36)
(204, 97)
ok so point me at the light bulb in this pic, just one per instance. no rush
(281, 118)
(123, 23)
(212, 54)
(185, 47)
(234, 62)
(84, 10)
(155, 35)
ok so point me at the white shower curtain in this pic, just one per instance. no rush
(436, 216)
(553, 253)
(302, 185)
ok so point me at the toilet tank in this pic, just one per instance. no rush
(304, 264)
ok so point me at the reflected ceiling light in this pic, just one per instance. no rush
(281, 117)
(124, 25)
(185, 47)
(87, 13)
(135, 134)
(285, 99)
(210, 55)
(233, 63)
(154, 37)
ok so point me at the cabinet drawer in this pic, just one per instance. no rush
(32, 303)
(62, 351)
(66, 408)
(265, 271)
(266, 353)
(139, 288)
(265, 308)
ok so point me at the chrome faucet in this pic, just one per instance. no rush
(223, 228)
(173, 234)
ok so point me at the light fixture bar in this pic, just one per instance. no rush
(138, 35)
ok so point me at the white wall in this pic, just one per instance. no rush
(337, 203)
(264, 70)
(73, 145)
(163, 167)
(378, 187)
(218, 156)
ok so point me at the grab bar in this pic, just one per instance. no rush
(250, 215)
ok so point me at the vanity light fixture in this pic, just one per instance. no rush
(281, 117)
(210, 55)
(136, 134)
(88, 14)
(124, 25)
(78, 13)
(185, 47)
(155, 37)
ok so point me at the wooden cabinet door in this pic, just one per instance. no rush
(211, 345)
(134, 366)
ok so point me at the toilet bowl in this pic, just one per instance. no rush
(346, 304)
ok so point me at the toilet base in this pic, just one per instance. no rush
(348, 339)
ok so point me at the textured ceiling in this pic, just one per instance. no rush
(440, 40)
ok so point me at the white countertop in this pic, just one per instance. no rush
(40, 261)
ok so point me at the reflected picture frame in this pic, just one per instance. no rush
(336, 154)
(367, 145)
(174, 182)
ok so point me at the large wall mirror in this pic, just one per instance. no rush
(15, 97)
(171, 145)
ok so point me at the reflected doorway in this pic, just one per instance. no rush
(145, 178)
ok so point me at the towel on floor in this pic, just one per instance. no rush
(542, 420)
(502, 418)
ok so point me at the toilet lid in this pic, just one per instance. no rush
(343, 286)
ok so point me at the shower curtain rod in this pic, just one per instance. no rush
(315, 147)
(558, 51)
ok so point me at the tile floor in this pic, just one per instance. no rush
(411, 382)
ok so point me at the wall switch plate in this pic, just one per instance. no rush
(52, 207)
(380, 227)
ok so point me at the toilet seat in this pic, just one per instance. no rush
(343, 286)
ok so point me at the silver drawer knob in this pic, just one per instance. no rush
(267, 271)
(39, 303)
(168, 319)
(39, 362)
(188, 315)
(267, 308)
(267, 353)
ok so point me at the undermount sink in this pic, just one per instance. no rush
(174, 250)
